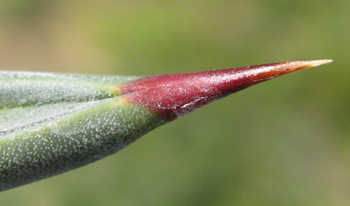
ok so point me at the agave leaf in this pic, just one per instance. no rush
(51, 123)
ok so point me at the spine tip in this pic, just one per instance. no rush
(175, 95)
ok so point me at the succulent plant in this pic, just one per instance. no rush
(51, 123)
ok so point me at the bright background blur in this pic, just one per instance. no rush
(283, 142)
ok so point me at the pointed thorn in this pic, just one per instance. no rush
(172, 96)
(315, 63)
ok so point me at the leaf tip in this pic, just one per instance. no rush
(172, 96)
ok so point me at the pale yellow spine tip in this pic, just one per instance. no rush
(315, 63)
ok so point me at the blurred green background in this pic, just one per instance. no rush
(283, 142)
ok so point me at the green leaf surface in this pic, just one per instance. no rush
(19, 89)
(52, 123)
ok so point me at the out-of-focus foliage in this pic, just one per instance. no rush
(284, 142)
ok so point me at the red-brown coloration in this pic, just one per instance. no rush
(175, 95)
